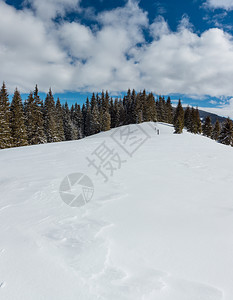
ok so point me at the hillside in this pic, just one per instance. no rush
(214, 117)
(161, 227)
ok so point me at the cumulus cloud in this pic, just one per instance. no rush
(49, 9)
(224, 4)
(159, 28)
(184, 62)
(28, 53)
(114, 55)
(109, 58)
(225, 110)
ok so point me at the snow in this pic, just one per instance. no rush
(160, 228)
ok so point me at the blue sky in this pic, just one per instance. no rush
(178, 48)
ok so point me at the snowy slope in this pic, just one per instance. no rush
(160, 228)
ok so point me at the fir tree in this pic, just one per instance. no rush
(150, 110)
(127, 102)
(5, 131)
(87, 118)
(179, 118)
(93, 102)
(83, 118)
(216, 131)
(121, 112)
(138, 109)
(169, 111)
(34, 119)
(29, 118)
(39, 134)
(50, 122)
(143, 98)
(95, 125)
(187, 118)
(161, 109)
(111, 111)
(139, 117)
(226, 135)
(116, 115)
(78, 120)
(178, 125)
(72, 112)
(105, 101)
(106, 121)
(59, 118)
(133, 107)
(207, 127)
(198, 121)
(193, 123)
(70, 131)
(17, 121)
(98, 101)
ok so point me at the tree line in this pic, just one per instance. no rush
(35, 121)
(190, 119)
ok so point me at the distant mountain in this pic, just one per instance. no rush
(214, 117)
(203, 114)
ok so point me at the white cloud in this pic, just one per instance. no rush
(214, 102)
(184, 62)
(185, 23)
(114, 55)
(159, 28)
(49, 9)
(225, 4)
(108, 66)
(29, 54)
(77, 39)
(226, 110)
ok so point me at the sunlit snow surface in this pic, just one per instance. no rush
(160, 228)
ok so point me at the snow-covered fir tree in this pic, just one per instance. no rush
(95, 125)
(59, 118)
(169, 111)
(78, 121)
(17, 121)
(226, 135)
(179, 118)
(207, 127)
(34, 119)
(216, 131)
(5, 130)
(50, 119)
(70, 131)
(106, 124)
(187, 118)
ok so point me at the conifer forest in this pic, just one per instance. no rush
(35, 121)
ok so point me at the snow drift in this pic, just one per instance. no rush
(158, 226)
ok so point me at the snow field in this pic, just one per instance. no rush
(160, 228)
